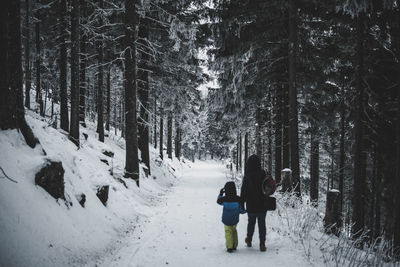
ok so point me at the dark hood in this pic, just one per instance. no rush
(253, 165)
(230, 189)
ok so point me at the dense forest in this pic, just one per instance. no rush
(310, 86)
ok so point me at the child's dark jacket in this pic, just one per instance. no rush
(232, 206)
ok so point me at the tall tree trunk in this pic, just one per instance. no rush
(396, 239)
(314, 170)
(359, 157)
(108, 108)
(161, 134)
(285, 133)
(177, 137)
(64, 120)
(294, 131)
(74, 124)
(237, 154)
(155, 123)
(269, 152)
(378, 194)
(258, 135)
(397, 175)
(27, 57)
(132, 159)
(169, 137)
(143, 92)
(342, 149)
(269, 134)
(83, 59)
(38, 62)
(123, 101)
(199, 147)
(100, 59)
(115, 118)
(246, 148)
(240, 158)
(12, 112)
(278, 135)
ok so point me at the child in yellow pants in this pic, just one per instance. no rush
(231, 237)
(230, 214)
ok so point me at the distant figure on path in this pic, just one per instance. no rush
(230, 214)
(251, 194)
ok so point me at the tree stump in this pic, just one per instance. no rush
(108, 153)
(81, 199)
(51, 179)
(332, 219)
(286, 180)
(102, 193)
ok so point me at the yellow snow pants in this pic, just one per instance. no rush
(231, 236)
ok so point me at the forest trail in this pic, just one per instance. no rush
(186, 230)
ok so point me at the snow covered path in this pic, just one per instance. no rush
(186, 230)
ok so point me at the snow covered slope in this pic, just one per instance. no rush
(37, 230)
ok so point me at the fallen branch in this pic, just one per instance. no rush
(6, 176)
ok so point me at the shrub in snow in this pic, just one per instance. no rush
(301, 221)
(51, 178)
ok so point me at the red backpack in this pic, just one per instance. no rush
(268, 185)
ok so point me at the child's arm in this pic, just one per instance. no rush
(241, 209)
(243, 193)
(219, 199)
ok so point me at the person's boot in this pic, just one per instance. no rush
(230, 250)
(248, 241)
(262, 246)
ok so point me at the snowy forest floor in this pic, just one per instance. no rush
(186, 230)
(171, 220)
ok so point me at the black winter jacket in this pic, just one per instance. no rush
(251, 191)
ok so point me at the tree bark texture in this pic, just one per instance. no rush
(100, 59)
(161, 134)
(38, 62)
(169, 136)
(278, 134)
(108, 102)
(359, 157)
(132, 159)
(12, 112)
(285, 128)
(83, 59)
(293, 109)
(64, 119)
(143, 92)
(27, 57)
(342, 152)
(74, 124)
(314, 170)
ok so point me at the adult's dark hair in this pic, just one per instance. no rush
(253, 165)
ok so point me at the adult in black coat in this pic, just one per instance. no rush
(251, 194)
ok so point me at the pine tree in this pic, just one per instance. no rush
(143, 91)
(132, 160)
(12, 113)
(27, 56)
(83, 59)
(64, 119)
(74, 124)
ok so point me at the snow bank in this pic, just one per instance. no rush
(37, 230)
